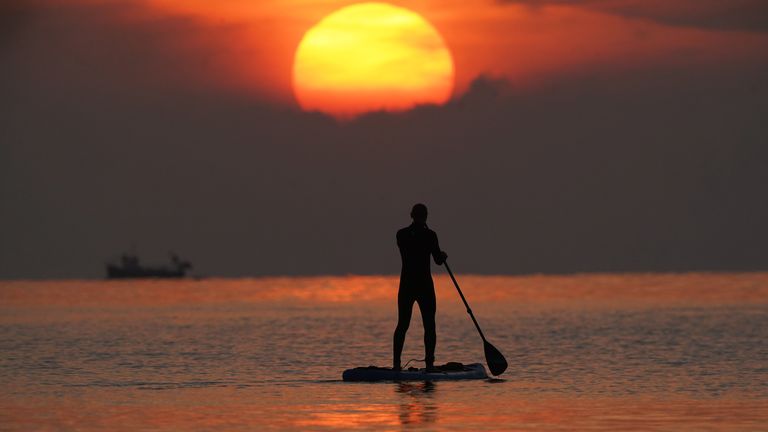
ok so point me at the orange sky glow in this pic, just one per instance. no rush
(529, 46)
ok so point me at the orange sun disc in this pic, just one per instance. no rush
(369, 57)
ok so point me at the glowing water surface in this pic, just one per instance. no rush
(597, 352)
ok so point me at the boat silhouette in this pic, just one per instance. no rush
(129, 267)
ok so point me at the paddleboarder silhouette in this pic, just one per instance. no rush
(416, 243)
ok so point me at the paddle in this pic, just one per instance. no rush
(496, 362)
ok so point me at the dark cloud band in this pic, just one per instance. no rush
(715, 14)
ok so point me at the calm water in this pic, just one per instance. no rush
(600, 352)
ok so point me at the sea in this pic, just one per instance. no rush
(586, 352)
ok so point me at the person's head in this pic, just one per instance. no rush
(419, 213)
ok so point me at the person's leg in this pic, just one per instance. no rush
(428, 308)
(404, 310)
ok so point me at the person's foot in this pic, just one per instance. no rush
(431, 368)
(396, 367)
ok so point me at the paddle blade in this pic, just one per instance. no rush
(496, 362)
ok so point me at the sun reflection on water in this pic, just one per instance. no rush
(586, 352)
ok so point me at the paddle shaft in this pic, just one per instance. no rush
(464, 300)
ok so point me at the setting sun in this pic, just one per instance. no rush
(371, 56)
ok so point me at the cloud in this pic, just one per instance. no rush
(653, 172)
(715, 14)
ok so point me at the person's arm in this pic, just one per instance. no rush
(438, 255)
(400, 242)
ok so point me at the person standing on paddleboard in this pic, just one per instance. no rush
(416, 243)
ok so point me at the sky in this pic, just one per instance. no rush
(581, 136)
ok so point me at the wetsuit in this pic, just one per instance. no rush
(416, 243)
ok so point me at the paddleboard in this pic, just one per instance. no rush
(448, 371)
